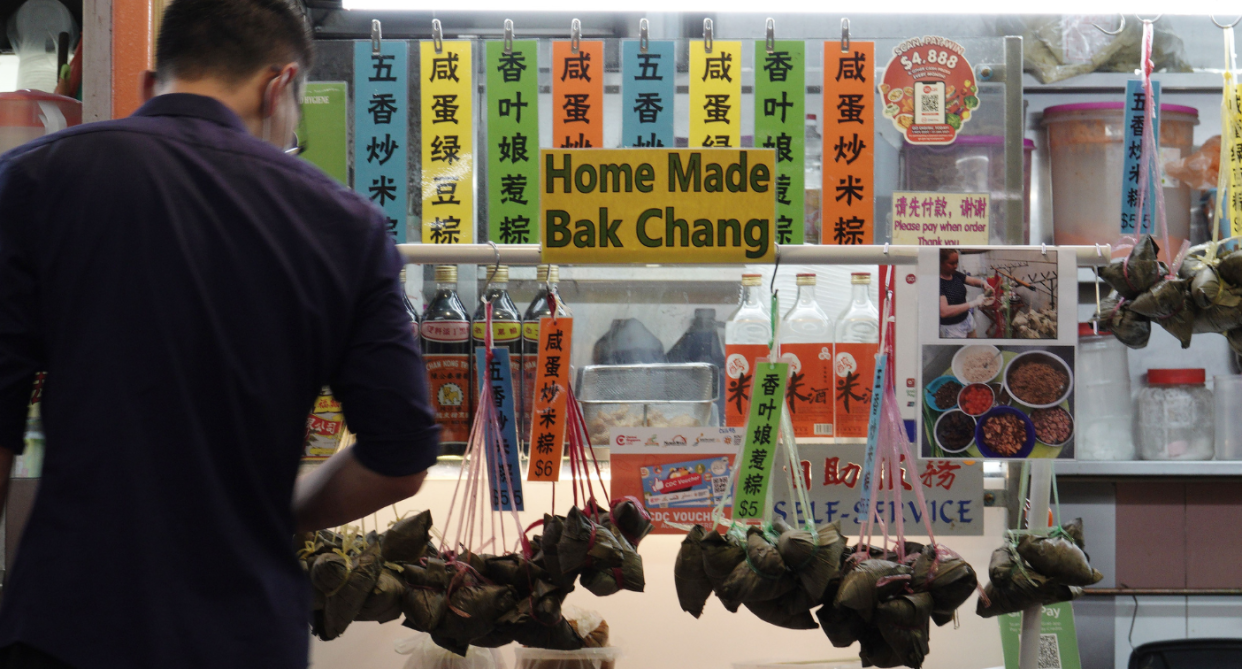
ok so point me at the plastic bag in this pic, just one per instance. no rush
(1199, 170)
(425, 654)
(1057, 47)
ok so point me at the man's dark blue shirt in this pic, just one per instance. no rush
(188, 288)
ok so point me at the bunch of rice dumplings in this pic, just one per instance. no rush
(865, 596)
(1205, 295)
(1032, 569)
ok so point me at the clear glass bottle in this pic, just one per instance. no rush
(857, 341)
(446, 350)
(548, 276)
(748, 332)
(1176, 416)
(506, 322)
(806, 336)
(1104, 410)
(814, 174)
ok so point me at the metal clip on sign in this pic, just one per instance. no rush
(845, 35)
(707, 35)
(377, 35)
(770, 29)
(508, 37)
(437, 35)
(644, 35)
(575, 35)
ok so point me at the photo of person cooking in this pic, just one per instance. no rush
(957, 320)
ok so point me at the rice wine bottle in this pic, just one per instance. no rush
(446, 350)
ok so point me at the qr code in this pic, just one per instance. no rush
(1049, 652)
(931, 104)
(720, 486)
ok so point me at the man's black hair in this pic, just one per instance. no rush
(230, 39)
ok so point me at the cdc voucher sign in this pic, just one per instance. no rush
(658, 205)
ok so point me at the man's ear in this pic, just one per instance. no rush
(148, 85)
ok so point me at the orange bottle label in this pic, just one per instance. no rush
(448, 376)
(853, 371)
(740, 361)
(809, 391)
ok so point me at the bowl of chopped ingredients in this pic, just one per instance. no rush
(1038, 379)
(976, 399)
(977, 363)
(1054, 426)
(1005, 432)
(955, 431)
(941, 394)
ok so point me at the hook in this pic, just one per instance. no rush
(845, 35)
(1120, 26)
(1223, 27)
(644, 35)
(775, 268)
(1151, 20)
(707, 35)
(508, 37)
(885, 249)
(575, 36)
(492, 274)
(437, 35)
(1043, 248)
(377, 34)
(770, 29)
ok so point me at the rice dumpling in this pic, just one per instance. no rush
(871, 582)
(407, 539)
(1230, 267)
(1132, 276)
(342, 607)
(474, 608)
(1165, 299)
(843, 626)
(760, 577)
(774, 613)
(1058, 558)
(903, 621)
(816, 560)
(630, 519)
(693, 586)
(384, 602)
(585, 543)
(722, 553)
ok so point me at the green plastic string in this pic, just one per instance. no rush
(1022, 485)
(774, 315)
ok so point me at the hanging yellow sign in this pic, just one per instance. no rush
(716, 94)
(448, 143)
(1234, 165)
(657, 205)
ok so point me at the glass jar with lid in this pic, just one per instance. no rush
(1104, 410)
(1175, 416)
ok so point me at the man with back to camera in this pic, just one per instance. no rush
(189, 288)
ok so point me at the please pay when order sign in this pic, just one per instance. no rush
(658, 205)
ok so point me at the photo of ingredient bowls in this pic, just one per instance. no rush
(941, 393)
(977, 363)
(998, 391)
(1038, 379)
(976, 399)
(1054, 427)
(1005, 432)
(955, 432)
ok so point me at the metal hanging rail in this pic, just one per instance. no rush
(804, 254)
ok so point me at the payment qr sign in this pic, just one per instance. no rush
(929, 90)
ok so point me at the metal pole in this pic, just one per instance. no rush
(1041, 488)
(1015, 134)
(802, 254)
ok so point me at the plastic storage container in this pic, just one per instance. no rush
(1175, 416)
(1104, 409)
(28, 115)
(972, 164)
(1228, 392)
(1085, 142)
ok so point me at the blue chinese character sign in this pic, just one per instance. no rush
(381, 119)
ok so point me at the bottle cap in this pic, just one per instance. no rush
(541, 273)
(501, 274)
(554, 274)
(806, 279)
(860, 278)
(752, 279)
(446, 273)
(1176, 376)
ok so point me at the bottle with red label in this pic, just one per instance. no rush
(446, 351)
(547, 276)
(506, 321)
(857, 341)
(806, 337)
(748, 332)
(410, 310)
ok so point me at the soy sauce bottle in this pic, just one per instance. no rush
(446, 351)
(547, 276)
(506, 322)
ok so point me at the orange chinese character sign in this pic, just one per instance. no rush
(549, 418)
(849, 140)
(929, 90)
(578, 95)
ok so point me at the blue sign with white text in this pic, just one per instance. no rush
(647, 91)
(381, 122)
(505, 477)
(1132, 145)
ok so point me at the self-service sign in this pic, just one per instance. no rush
(658, 205)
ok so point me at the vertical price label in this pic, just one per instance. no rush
(1135, 121)
(780, 110)
(513, 134)
(754, 470)
(647, 93)
(849, 139)
(503, 471)
(578, 95)
(381, 123)
(448, 142)
(716, 94)
(549, 419)
(1234, 123)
